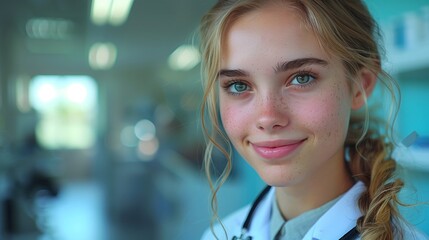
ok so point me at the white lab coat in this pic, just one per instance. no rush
(336, 222)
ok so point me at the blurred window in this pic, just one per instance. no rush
(67, 109)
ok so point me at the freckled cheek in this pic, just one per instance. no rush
(327, 116)
(234, 120)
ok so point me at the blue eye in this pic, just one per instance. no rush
(302, 79)
(237, 87)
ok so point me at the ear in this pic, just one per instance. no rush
(363, 87)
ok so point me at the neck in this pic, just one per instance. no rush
(313, 192)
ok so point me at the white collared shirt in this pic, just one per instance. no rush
(336, 222)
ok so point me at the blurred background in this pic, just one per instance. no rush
(99, 118)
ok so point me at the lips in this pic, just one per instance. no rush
(276, 149)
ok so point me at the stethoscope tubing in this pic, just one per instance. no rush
(248, 221)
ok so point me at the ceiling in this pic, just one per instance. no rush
(154, 29)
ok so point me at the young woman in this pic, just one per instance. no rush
(290, 79)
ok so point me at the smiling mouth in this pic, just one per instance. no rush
(276, 149)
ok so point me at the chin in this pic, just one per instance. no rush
(278, 179)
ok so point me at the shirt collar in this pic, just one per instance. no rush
(299, 225)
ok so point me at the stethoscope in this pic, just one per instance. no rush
(350, 235)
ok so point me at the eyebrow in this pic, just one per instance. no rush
(281, 67)
(297, 63)
(233, 73)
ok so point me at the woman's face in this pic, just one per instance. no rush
(285, 103)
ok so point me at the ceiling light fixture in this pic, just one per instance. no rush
(102, 56)
(49, 28)
(114, 12)
(184, 58)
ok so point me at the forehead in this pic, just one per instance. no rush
(275, 32)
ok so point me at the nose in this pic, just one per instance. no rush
(271, 113)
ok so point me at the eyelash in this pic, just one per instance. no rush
(303, 73)
(227, 86)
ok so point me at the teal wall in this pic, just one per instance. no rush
(413, 115)
(416, 194)
(414, 112)
(383, 10)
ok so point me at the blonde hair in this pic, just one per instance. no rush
(345, 29)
